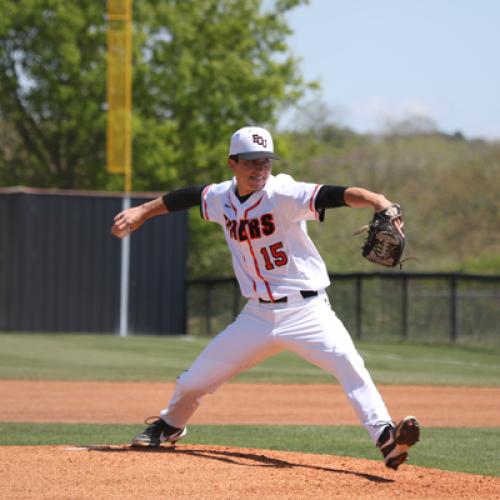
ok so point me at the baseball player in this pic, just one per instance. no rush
(283, 278)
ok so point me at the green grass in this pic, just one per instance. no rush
(107, 357)
(474, 451)
(95, 357)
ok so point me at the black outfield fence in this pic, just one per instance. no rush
(60, 272)
(60, 266)
(462, 309)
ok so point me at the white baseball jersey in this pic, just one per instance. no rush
(272, 254)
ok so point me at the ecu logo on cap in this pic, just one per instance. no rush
(259, 140)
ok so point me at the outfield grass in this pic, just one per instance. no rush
(465, 450)
(107, 357)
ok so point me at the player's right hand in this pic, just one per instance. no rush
(119, 233)
(127, 222)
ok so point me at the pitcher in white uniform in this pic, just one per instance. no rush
(283, 278)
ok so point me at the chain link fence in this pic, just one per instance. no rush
(460, 309)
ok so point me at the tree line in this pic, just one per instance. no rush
(202, 70)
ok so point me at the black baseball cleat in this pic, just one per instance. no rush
(395, 441)
(158, 432)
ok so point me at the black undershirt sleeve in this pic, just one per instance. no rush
(329, 197)
(181, 199)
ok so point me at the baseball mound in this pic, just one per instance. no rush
(210, 472)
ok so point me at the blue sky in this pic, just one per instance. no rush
(386, 60)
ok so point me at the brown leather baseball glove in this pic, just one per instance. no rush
(385, 241)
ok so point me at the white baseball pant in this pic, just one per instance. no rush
(307, 327)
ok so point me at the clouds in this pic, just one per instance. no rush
(387, 61)
(378, 113)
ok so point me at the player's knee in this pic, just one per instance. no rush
(349, 361)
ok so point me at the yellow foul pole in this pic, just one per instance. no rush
(119, 90)
(119, 123)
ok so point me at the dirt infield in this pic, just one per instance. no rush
(131, 402)
(215, 472)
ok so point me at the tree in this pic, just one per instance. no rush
(52, 88)
(201, 69)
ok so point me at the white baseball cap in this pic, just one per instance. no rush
(252, 143)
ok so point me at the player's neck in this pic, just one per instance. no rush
(244, 197)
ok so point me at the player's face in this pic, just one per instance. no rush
(251, 175)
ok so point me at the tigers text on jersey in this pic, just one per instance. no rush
(272, 254)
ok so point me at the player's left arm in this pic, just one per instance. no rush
(356, 197)
(362, 198)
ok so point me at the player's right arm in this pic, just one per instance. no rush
(134, 217)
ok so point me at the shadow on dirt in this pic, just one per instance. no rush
(247, 459)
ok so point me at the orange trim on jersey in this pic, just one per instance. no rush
(253, 206)
(231, 197)
(232, 206)
(255, 261)
(311, 201)
(205, 202)
(230, 203)
(257, 270)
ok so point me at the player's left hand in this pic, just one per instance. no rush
(386, 239)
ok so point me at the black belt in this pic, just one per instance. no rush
(305, 294)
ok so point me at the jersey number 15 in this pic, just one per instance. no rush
(274, 256)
